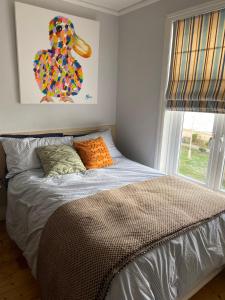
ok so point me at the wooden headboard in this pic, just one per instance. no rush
(71, 131)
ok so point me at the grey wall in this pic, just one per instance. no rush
(141, 42)
(17, 117)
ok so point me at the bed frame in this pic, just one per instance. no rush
(71, 131)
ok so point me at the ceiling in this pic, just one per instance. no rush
(115, 7)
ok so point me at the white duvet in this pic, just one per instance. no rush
(167, 272)
(32, 198)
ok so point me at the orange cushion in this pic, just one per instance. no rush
(94, 153)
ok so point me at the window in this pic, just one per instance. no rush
(194, 147)
(193, 143)
(196, 142)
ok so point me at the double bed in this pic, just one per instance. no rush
(176, 269)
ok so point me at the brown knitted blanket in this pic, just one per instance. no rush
(88, 241)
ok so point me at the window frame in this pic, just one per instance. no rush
(168, 145)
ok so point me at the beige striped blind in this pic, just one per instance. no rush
(197, 74)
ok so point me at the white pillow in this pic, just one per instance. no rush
(107, 136)
(21, 155)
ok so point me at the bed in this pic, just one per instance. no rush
(174, 270)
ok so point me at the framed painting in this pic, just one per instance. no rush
(57, 56)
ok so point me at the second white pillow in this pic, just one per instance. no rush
(21, 155)
(107, 136)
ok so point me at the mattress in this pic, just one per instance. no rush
(166, 272)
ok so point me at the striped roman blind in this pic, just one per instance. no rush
(197, 74)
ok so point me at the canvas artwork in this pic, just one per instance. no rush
(57, 56)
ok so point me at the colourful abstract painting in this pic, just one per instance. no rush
(64, 70)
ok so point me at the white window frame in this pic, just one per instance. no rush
(173, 127)
(167, 149)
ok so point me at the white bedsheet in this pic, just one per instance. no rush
(163, 273)
(32, 198)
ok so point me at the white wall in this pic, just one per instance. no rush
(17, 117)
(141, 42)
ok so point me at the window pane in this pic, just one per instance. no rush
(195, 146)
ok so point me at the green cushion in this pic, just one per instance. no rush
(60, 160)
